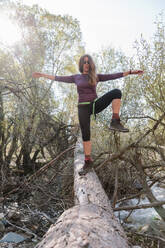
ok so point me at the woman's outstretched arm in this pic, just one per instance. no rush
(39, 74)
(126, 73)
(65, 79)
(106, 77)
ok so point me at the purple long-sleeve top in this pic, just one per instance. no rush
(86, 92)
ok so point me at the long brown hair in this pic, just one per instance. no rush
(92, 69)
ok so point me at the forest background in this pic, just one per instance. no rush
(38, 118)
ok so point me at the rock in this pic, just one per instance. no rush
(1, 216)
(2, 227)
(5, 222)
(161, 185)
(6, 245)
(10, 214)
(157, 227)
(137, 184)
(125, 203)
(13, 215)
(1, 199)
(12, 237)
(129, 220)
(144, 228)
(10, 246)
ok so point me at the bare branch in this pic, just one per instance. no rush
(40, 171)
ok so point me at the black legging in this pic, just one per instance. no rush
(85, 111)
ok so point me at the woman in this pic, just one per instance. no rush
(88, 102)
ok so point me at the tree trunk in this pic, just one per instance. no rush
(91, 222)
(159, 209)
(1, 130)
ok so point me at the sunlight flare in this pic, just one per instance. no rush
(10, 32)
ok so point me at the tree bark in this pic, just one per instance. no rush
(91, 222)
(1, 130)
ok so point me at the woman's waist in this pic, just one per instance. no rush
(88, 103)
(87, 99)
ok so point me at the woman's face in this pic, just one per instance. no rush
(86, 65)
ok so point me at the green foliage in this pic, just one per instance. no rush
(151, 60)
(49, 43)
(152, 86)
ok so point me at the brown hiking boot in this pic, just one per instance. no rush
(87, 166)
(115, 125)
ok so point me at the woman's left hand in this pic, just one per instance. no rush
(139, 72)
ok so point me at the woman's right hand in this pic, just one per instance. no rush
(37, 74)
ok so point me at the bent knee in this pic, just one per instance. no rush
(117, 94)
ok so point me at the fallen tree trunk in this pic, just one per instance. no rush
(91, 222)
